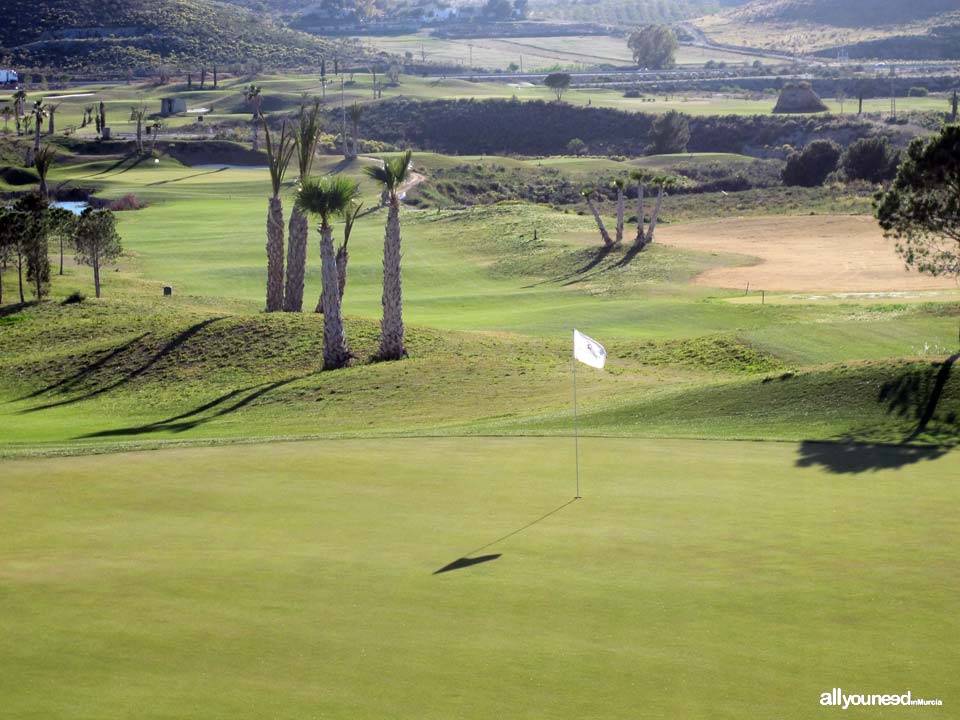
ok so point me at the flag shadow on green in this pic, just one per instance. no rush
(466, 561)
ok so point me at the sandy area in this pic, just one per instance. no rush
(825, 253)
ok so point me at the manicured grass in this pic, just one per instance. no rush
(695, 580)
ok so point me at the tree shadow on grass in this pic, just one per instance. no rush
(71, 380)
(465, 560)
(8, 310)
(201, 414)
(913, 395)
(172, 345)
(595, 257)
(186, 177)
(850, 456)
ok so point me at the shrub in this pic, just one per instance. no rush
(74, 298)
(918, 92)
(670, 133)
(126, 202)
(812, 165)
(871, 159)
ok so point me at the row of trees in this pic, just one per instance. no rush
(27, 228)
(329, 198)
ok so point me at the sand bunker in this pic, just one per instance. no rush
(821, 253)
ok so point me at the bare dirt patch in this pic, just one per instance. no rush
(825, 253)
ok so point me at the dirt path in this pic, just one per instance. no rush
(822, 253)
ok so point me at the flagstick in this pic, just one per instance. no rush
(576, 430)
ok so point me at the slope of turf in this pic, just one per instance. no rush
(695, 580)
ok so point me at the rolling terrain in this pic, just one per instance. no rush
(119, 36)
(929, 29)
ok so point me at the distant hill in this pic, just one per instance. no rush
(927, 29)
(76, 34)
(625, 12)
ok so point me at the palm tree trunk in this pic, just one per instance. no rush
(61, 252)
(296, 262)
(275, 256)
(140, 135)
(96, 273)
(654, 217)
(51, 123)
(391, 327)
(619, 216)
(43, 186)
(335, 352)
(256, 136)
(640, 210)
(603, 228)
(343, 257)
(36, 136)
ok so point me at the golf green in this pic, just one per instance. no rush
(695, 579)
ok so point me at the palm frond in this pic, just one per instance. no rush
(307, 135)
(327, 196)
(43, 159)
(393, 172)
(279, 155)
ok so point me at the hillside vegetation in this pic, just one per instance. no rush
(112, 35)
(927, 29)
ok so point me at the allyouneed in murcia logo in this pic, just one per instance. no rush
(836, 698)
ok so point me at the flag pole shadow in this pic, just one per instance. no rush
(465, 560)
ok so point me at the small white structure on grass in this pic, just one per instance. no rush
(172, 106)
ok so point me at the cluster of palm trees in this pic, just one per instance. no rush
(328, 198)
(644, 179)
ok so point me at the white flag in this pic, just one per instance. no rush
(588, 351)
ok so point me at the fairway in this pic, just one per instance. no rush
(817, 254)
(292, 580)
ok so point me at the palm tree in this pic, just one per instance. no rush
(662, 183)
(51, 122)
(87, 115)
(7, 113)
(39, 112)
(355, 112)
(137, 113)
(392, 175)
(279, 156)
(641, 177)
(43, 161)
(620, 185)
(19, 103)
(343, 255)
(588, 195)
(255, 99)
(328, 197)
(306, 136)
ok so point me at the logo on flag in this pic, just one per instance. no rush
(588, 351)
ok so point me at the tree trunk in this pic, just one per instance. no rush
(20, 276)
(653, 217)
(603, 228)
(140, 135)
(335, 352)
(43, 186)
(256, 136)
(36, 136)
(96, 273)
(51, 123)
(296, 262)
(391, 327)
(61, 252)
(343, 257)
(619, 216)
(640, 211)
(275, 255)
